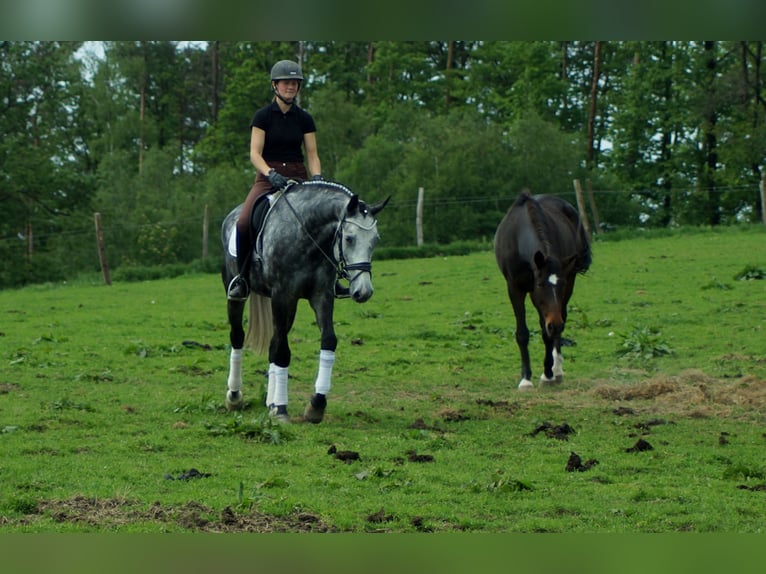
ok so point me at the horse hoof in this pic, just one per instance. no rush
(279, 414)
(234, 401)
(314, 412)
(526, 385)
(313, 415)
(546, 382)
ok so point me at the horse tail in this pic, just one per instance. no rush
(259, 326)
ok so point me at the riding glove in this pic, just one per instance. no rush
(276, 179)
(317, 177)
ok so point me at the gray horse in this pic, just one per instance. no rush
(540, 247)
(314, 233)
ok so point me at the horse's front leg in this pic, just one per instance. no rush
(558, 357)
(237, 339)
(553, 369)
(323, 310)
(283, 314)
(548, 362)
(517, 298)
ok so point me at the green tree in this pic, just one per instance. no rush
(742, 153)
(43, 175)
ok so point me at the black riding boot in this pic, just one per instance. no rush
(341, 291)
(239, 288)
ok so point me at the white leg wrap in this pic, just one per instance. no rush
(324, 375)
(280, 385)
(235, 370)
(272, 383)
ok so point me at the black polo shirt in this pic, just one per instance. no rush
(284, 132)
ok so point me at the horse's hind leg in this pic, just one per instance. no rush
(237, 338)
(558, 361)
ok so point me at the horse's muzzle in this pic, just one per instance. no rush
(360, 284)
(554, 326)
(361, 290)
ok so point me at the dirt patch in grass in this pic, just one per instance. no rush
(559, 432)
(115, 513)
(6, 388)
(692, 393)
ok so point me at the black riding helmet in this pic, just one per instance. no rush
(285, 70)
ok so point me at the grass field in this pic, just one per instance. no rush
(110, 396)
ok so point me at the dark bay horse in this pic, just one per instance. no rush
(540, 247)
(314, 233)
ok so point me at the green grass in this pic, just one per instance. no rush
(108, 394)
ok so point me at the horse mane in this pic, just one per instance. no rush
(536, 217)
(325, 184)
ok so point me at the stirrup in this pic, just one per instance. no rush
(238, 289)
(341, 292)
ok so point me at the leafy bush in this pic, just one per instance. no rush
(643, 343)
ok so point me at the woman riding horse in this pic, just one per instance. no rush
(277, 132)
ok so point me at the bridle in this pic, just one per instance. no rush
(342, 268)
(339, 263)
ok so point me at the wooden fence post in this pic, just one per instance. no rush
(102, 250)
(581, 206)
(593, 210)
(419, 217)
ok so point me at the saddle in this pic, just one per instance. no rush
(258, 216)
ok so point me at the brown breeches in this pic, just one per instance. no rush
(261, 186)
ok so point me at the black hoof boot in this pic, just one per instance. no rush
(234, 400)
(314, 412)
(279, 414)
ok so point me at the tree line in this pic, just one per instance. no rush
(151, 134)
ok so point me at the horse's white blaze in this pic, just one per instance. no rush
(553, 279)
(324, 374)
(525, 385)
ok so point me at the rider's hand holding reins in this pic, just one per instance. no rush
(276, 179)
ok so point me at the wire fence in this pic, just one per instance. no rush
(80, 227)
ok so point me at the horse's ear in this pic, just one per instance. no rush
(539, 259)
(353, 205)
(375, 208)
(569, 263)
